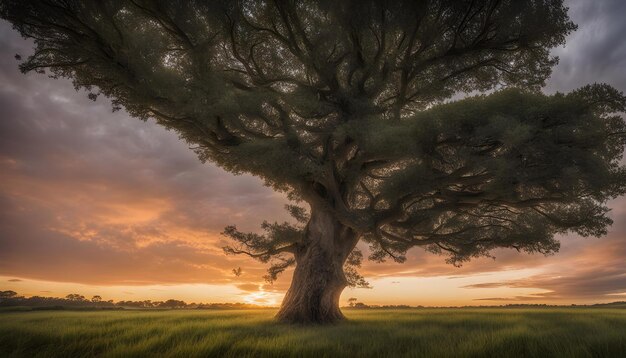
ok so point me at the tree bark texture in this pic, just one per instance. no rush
(318, 278)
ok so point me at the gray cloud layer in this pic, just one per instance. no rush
(596, 52)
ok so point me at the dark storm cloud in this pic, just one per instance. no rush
(596, 52)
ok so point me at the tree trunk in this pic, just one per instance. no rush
(318, 279)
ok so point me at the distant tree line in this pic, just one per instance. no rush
(353, 303)
(13, 299)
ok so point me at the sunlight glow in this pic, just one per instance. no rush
(261, 298)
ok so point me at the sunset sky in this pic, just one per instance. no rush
(95, 202)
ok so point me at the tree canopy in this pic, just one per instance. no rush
(346, 105)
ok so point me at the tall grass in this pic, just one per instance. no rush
(476, 332)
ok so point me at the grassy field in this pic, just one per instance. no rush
(468, 332)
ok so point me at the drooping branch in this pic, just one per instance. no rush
(278, 239)
(350, 269)
(277, 246)
(281, 242)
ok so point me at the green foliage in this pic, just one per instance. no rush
(257, 86)
(506, 170)
(341, 104)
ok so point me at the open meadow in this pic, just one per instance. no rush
(436, 332)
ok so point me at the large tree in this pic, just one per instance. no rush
(345, 105)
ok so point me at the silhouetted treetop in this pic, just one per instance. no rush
(7, 294)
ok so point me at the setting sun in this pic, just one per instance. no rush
(261, 298)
